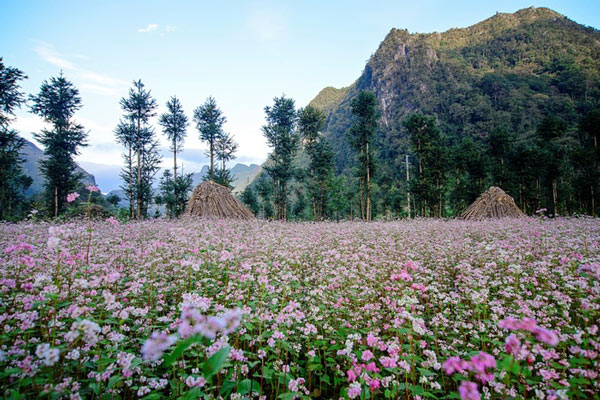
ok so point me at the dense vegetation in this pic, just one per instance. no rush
(516, 101)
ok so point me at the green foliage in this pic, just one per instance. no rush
(57, 103)
(209, 121)
(282, 137)
(248, 197)
(142, 158)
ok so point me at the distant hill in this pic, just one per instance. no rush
(32, 156)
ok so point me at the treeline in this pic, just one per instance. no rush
(57, 102)
(555, 171)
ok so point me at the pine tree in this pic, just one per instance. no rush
(264, 188)
(12, 180)
(57, 103)
(310, 126)
(281, 135)
(126, 135)
(139, 107)
(209, 121)
(426, 143)
(248, 197)
(361, 136)
(225, 148)
(174, 123)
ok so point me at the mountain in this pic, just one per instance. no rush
(511, 70)
(489, 88)
(32, 155)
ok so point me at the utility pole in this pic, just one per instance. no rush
(407, 186)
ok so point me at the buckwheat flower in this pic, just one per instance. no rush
(509, 323)
(190, 322)
(546, 336)
(455, 364)
(191, 381)
(374, 384)
(351, 375)
(512, 344)
(155, 346)
(354, 390)
(53, 243)
(2, 356)
(367, 355)
(211, 326)
(528, 324)
(293, 384)
(93, 188)
(232, 320)
(71, 197)
(469, 391)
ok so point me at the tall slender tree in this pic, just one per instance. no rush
(361, 136)
(139, 107)
(174, 123)
(225, 149)
(282, 137)
(12, 180)
(310, 126)
(209, 121)
(57, 103)
(126, 135)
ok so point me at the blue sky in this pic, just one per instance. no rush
(243, 53)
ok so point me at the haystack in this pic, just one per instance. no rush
(493, 203)
(210, 199)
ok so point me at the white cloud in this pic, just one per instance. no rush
(170, 28)
(266, 24)
(90, 81)
(48, 54)
(149, 28)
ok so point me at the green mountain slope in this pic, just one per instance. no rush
(509, 70)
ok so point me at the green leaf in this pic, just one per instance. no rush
(191, 394)
(95, 388)
(181, 347)
(152, 396)
(215, 362)
(246, 386)
(114, 380)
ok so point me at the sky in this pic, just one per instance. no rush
(243, 53)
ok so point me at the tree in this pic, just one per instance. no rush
(12, 180)
(225, 148)
(264, 188)
(426, 143)
(310, 126)
(281, 135)
(57, 103)
(126, 135)
(209, 122)
(248, 197)
(550, 131)
(360, 135)
(113, 200)
(174, 123)
(139, 107)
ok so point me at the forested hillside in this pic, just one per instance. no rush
(515, 98)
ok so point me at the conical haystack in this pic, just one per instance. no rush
(210, 199)
(493, 203)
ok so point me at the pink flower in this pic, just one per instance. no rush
(93, 188)
(510, 323)
(351, 375)
(512, 345)
(546, 336)
(374, 384)
(367, 355)
(528, 324)
(72, 196)
(455, 364)
(156, 345)
(354, 391)
(469, 391)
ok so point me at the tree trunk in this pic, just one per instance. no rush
(555, 196)
(212, 163)
(139, 172)
(131, 211)
(55, 201)
(174, 161)
(368, 186)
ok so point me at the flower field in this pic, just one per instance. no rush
(227, 309)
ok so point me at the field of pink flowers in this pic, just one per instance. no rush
(226, 309)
